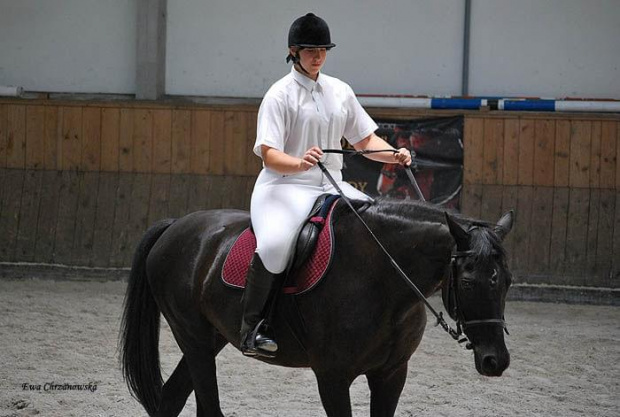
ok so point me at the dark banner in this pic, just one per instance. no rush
(437, 167)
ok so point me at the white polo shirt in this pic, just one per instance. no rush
(298, 113)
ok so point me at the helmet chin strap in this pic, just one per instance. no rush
(296, 61)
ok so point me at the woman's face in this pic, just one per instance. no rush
(312, 59)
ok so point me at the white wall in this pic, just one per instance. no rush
(238, 47)
(68, 45)
(545, 48)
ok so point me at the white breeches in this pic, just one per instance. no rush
(279, 206)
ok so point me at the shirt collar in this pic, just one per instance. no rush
(306, 82)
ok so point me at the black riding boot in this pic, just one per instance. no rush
(259, 290)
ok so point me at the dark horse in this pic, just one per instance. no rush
(362, 318)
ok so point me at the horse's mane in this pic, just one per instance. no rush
(484, 241)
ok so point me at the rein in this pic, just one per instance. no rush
(409, 173)
(461, 324)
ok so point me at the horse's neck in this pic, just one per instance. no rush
(420, 246)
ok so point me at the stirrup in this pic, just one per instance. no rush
(257, 344)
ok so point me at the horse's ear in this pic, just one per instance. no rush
(504, 225)
(459, 234)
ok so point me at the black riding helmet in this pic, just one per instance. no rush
(309, 31)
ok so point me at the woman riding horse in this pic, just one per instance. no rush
(301, 114)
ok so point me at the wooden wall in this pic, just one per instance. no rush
(81, 181)
(561, 174)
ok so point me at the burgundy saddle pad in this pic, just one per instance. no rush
(303, 279)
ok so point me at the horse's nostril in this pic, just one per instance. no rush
(489, 363)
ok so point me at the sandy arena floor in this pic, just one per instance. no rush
(565, 362)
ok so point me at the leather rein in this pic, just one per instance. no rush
(461, 324)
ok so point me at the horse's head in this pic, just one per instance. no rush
(475, 293)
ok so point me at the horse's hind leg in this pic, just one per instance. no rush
(385, 389)
(201, 364)
(334, 392)
(175, 391)
(179, 386)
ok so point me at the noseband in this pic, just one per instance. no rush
(451, 300)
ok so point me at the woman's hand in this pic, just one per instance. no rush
(310, 158)
(403, 157)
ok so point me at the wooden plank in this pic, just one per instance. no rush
(559, 225)
(11, 205)
(16, 137)
(473, 150)
(561, 165)
(181, 141)
(614, 276)
(526, 151)
(493, 152)
(544, 139)
(71, 138)
(85, 219)
(91, 139)
(66, 222)
(576, 236)
(125, 141)
(160, 194)
(235, 134)
(592, 235)
(491, 208)
(3, 176)
(254, 162)
(198, 190)
(138, 213)
(179, 193)
(540, 234)
(471, 200)
(618, 156)
(239, 193)
(48, 216)
(595, 155)
(201, 130)
(216, 192)
(4, 109)
(162, 141)
(28, 216)
(609, 161)
(580, 146)
(52, 138)
(248, 192)
(121, 219)
(216, 155)
(511, 152)
(605, 237)
(35, 137)
(105, 206)
(143, 140)
(110, 139)
(521, 231)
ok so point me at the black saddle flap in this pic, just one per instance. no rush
(312, 227)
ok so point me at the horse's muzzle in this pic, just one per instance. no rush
(491, 362)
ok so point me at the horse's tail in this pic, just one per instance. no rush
(139, 338)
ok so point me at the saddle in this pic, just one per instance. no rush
(313, 251)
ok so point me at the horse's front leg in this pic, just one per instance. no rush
(334, 391)
(385, 389)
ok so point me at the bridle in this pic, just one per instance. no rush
(454, 310)
(450, 294)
